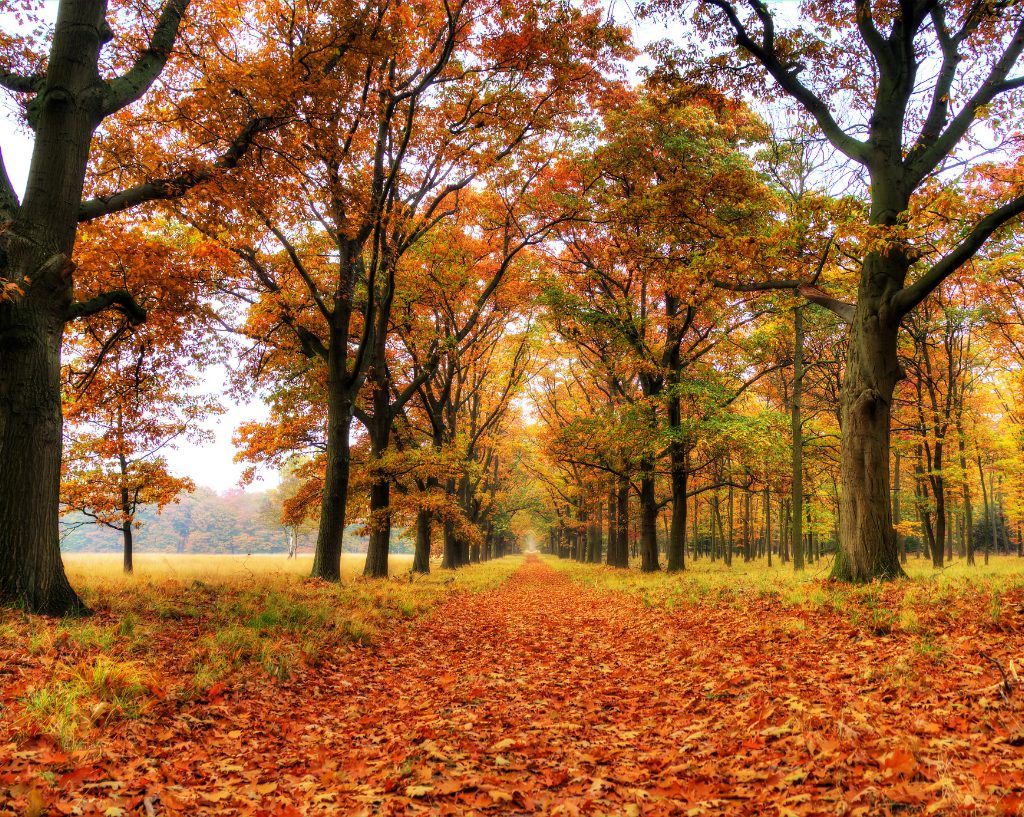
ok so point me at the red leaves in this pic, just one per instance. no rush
(543, 697)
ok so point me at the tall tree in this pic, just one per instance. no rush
(901, 90)
(66, 91)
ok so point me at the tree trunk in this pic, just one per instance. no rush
(796, 426)
(597, 533)
(331, 533)
(677, 531)
(379, 546)
(868, 547)
(621, 556)
(421, 557)
(36, 248)
(648, 522)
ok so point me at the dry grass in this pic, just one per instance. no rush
(87, 567)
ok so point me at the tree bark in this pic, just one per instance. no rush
(421, 556)
(796, 426)
(868, 548)
(36, 249)
(648, 522)
(621, 556)
(331, 532)
(677, 530)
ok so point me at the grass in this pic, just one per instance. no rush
(919, 614)
(704, 579)
(194, 625)
(212, 567)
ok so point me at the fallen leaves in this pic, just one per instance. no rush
(545, 697)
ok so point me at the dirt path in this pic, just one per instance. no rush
(544, 697)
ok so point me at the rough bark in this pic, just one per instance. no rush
(37, 246)
(331, 532)
(796, 425)
(868, 548)
(648, 523)
(421, 557)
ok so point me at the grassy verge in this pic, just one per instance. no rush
(166, 636)
(924, 612)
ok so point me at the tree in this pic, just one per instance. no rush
(132, 391)
(421, 103)
(65, 97)
(864, 72)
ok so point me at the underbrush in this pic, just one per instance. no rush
(162, 638)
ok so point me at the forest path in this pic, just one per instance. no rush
(548, 697)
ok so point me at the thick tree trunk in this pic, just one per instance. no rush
(421, 557)
(677, 530)
(36, 248)
(450, 556)
(379, 546)
(868, 548)
(327, 554)
(620, 557)
(648, 522)
(31, 571)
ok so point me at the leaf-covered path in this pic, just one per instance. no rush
(548, 697)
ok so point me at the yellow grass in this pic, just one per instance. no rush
(213, 567)
(704, 580)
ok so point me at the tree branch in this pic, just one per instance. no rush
(821, 298)
(173, 187)
(119, 298)
(131, 86)
(926, 156)
(19, 83)
(909, 297)
(9, 203)
(765, 53)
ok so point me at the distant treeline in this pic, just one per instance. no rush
(207, 522)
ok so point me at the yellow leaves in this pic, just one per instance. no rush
(418, 791)
(503, 745)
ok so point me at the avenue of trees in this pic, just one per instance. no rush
(492, 279)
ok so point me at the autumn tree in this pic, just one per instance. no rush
(903, 91)
(132, 391)
(420, 103)
(66, 86)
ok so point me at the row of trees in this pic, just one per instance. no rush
(404, 220)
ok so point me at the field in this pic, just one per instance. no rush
(232, 685)
(87, 568)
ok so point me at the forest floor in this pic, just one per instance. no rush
(539, 687)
